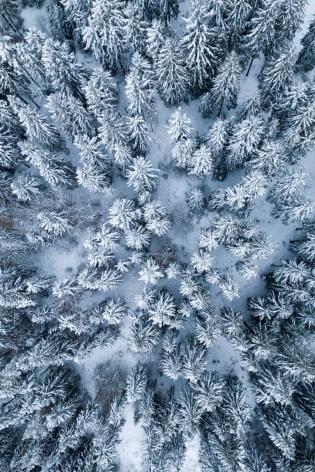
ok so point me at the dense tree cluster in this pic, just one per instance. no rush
(84, 167)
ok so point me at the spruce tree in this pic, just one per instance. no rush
(225, 86)
(203, 46)
(172, 73)
(306, 57)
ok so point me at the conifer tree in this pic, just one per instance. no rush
(63, 72)
(101, 92)
(71, 114)
(171, 73)
(225, 86)
(179, 126)
(306, 57)
(155, 39)
(203, 45)
(104, 34)
(289, 19)
(260, 37)
(201, 161)
(139, 88)
(141, 175)
(278, 74)
(168, 8)
(244, 141)
(135, 29)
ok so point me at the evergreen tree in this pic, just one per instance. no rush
(201, 161)
(277, 75)
(289, 19)
(155, 39)
(139, 88)
(71, 114)
(104, 34)
(225, 86)
(135, 29)
(38, 130)
(139, 134)
(244, 141)
(203, 46)
(168, 8)
(218, 11)
(239, 15)
(171, 73)
(101, 92)
(306, 57)
(179, 126)
(217, 136)
(260, 37)
(78, 11)
(61, 69)
(141, 175)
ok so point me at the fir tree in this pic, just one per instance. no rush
(135, 29)
(306, 57)
(70, 113)
(171, 72)
(277, 75)
(179, 126)
(101, 92)
(139, 88)
(104, 34)
(61, 69)
(201, 162)
(203, 46)
(225, 86)
(141, 175)
(155, 39)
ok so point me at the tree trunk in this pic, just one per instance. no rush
(12, 25)
(250, 66)
(261, 70)
(220, 109)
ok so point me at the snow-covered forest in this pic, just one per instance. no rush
(157, 236)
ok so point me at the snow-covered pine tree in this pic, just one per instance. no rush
(244, 141)
(139, 134)
(135, 29)
(171, 73)
(69, 112)
(225, 86)
(203, 45)
(104, 34)
(179, 126)
(306, 57)
(260, 37)
(155, 39)
(140, 88)
(201, 162)
(289, 19)
(219, 12)
(168, 8)
(77, 11)
(101, 92)
(38, 129)
(239, 14)
(217, 136)
(277, 74)
(62, 71)
(141, 175)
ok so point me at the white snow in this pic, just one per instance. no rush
(131, 443)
